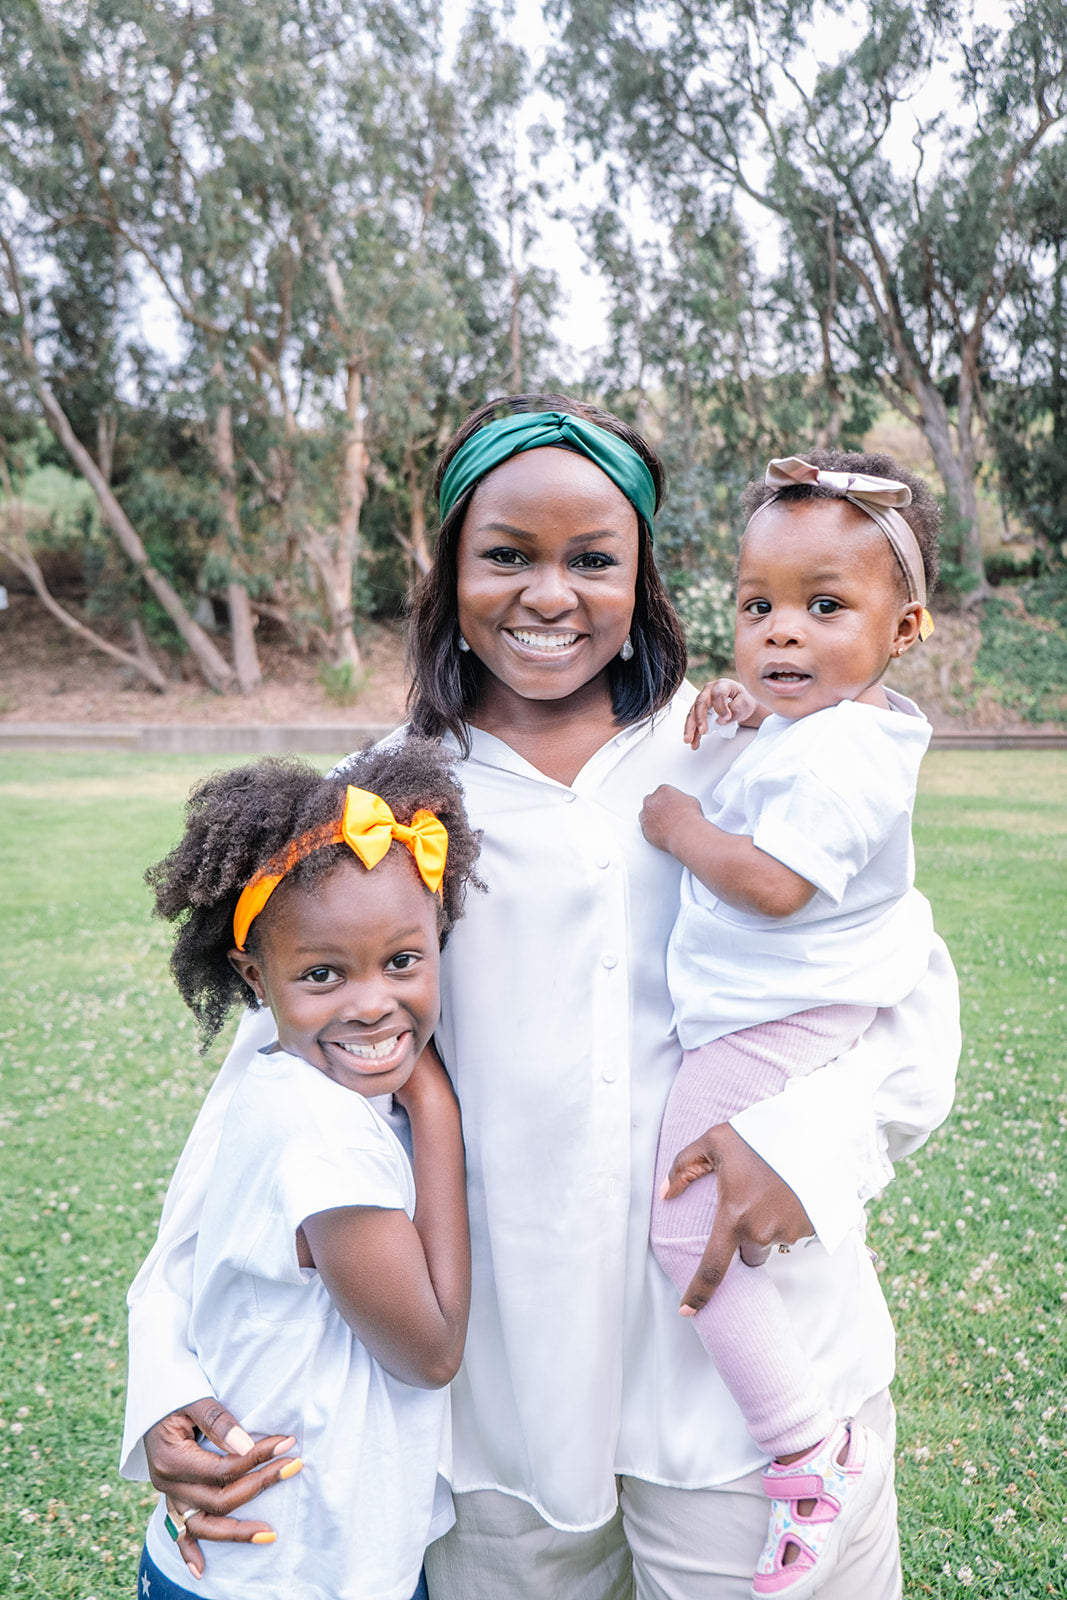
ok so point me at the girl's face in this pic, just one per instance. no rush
(547, 570)
(350, 969)
(819, 607)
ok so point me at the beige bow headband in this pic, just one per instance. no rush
(878, 498)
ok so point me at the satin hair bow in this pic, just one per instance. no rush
(368, 827)
(879, 499)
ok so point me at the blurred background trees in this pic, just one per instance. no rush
(258, 258)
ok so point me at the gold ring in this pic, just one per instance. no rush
(174, 1526)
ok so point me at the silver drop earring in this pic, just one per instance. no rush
(627, 651)
(463, 645)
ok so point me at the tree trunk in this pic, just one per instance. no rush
(215, 670)
(957, 467)
(140, 663)
(242, 622)
(339, 572)
(417, 547)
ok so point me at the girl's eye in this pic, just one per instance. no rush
(402, 962)
(824, 606)
(320, 975)
(757, 608)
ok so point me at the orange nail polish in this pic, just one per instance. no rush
(291, 1468)
(264, 1538)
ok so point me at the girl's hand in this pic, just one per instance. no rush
(200, 1483)
(662, 811)
(756, 1208)
(730, 703)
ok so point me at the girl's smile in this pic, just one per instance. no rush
(820, 607)
(546, 574)
(349, 968)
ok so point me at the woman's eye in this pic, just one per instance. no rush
(505, 557)
(593, 561)
(824, 606)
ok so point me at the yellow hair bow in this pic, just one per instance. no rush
(368, 827)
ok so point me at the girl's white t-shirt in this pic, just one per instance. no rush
(354, 1524)
(830, 796)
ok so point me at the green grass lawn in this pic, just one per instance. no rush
(100, 1081)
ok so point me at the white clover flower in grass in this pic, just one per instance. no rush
(965, 1576)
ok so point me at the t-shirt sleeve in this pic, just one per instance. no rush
(811, 828)
(309, 1179)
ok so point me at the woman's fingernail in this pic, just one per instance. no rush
(284, 1448)
(238, 1441)
(687, 1311)
(291, 1468)
(264, 1538)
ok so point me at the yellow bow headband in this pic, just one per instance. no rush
(368, 827)
(878, 498)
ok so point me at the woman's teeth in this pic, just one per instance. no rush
(369, 1052)
(543, 641)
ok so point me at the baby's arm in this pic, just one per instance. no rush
(730, 703)
(729, 864)
(404, 1286)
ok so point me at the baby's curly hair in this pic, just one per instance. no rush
(923, 516)
(237, 822)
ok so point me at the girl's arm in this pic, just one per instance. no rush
(403, 1286)
(729, 864)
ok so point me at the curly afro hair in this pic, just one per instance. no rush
(237, 822)
(923, 516)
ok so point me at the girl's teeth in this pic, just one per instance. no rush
(370, 1052)
(544, 641)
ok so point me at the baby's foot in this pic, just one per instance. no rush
(815, 1501)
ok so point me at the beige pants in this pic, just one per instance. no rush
(662, 1544)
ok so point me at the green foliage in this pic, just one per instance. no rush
(343, 683)
(100, 1082)
(1023, 654)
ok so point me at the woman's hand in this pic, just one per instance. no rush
(202, 1484)
(755, 1208)
(730, 703)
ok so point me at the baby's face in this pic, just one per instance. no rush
(350, 968)
(820, 607)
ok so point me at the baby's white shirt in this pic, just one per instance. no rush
(354, 1524)
(829, 795)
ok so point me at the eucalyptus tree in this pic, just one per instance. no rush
(906, 265)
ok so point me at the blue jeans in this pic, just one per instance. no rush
(154, 1585)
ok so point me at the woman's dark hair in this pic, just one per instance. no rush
(923, 516)
(238, 822)
(444, 682)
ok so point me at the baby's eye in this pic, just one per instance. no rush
(402, 962)
(320, 975)
(757, 608)
(824, 606)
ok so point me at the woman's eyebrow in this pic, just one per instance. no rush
(511, 532)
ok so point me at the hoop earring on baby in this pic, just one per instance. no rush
(463, 645)
(627, 651)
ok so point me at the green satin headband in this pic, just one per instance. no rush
(531, 430)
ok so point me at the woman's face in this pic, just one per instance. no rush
(547, 570)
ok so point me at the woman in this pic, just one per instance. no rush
(595, 1449)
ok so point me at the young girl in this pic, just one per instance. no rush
(331, 1286)
(799, 919)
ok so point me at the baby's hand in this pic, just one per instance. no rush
(730, 703)
(662, 810)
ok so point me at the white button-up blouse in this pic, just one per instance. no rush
(556, 1029)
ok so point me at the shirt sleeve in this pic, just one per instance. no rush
(811, 828)
(164, 1374)
(834, 1135)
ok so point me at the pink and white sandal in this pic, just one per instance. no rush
(841, 1490)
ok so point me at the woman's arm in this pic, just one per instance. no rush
(808, 1159)
(403, 1286)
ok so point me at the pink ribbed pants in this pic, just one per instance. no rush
(744, 1326)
